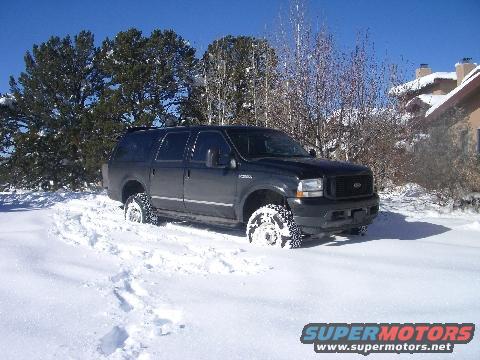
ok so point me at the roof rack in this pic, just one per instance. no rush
(138, 128)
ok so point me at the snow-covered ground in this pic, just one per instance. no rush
(80, 283)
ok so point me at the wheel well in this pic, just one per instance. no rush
(130, 188)
(259, 198)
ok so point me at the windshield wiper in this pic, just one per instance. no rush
(262, 156)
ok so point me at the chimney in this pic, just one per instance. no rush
(463, 68)
(422, 71)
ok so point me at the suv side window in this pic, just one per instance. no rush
(135, 147)
(173, 146)
(211, 139)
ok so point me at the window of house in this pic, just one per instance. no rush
(173, 146)
(208, 140)
(478, 141)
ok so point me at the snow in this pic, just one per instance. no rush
(7, 100)
(471, 73)
(80, 283)
(431, 99)
(421, 82)
(475, 74)
(354, 115)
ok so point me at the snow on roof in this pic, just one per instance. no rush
(461, 63)
(422, 82)
(475, 73)
(7, 100)
(471, 73)
(429, 99)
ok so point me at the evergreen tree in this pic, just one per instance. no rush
(55, 96)
(148, 79)
(8, 124)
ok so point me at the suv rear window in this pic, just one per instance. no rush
(173, 146)
(135, 147)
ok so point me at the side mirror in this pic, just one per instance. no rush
(312, 153)
(233, 162)
(212, 158)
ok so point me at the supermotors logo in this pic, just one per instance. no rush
(366, 338)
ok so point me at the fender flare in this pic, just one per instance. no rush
(128, 179)
(281, 190)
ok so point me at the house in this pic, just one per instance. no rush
(431, 95)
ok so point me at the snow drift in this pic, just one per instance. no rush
(80, 283)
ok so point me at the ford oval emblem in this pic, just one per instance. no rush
(357, 185)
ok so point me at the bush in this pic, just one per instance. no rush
(445, 161)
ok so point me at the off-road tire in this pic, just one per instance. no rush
(141, 203)
(274, 225)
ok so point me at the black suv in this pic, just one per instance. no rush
(233, 175)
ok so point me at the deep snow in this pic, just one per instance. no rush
(80, 283)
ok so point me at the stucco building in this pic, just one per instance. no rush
(431, 95)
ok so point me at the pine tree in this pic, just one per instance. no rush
(55, 96)
(8, 126)
(73, 99)
(147, 78)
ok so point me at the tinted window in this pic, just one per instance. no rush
(266, 143)
(135, 147)
(208, 140)
(173, 146)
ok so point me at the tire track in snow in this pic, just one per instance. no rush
(144, 317)
(97, 222)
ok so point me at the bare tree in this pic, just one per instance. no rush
(335, 100)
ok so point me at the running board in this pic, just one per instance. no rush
(205, 219)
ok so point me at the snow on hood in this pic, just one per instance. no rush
(422, 82)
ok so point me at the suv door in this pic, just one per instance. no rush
(167, 172)
(210, 191)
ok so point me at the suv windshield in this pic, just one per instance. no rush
(265, 143)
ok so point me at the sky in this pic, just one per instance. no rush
(408, 32)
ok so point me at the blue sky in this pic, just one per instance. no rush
(409, 31)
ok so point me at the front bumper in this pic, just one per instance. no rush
(322, 215)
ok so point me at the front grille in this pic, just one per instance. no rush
(350, 186)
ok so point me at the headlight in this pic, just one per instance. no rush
(310, 188)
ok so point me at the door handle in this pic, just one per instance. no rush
(153, 171)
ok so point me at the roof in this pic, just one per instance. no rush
(467, 87)
(425, 99)
(197, 127)
(422, 82)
